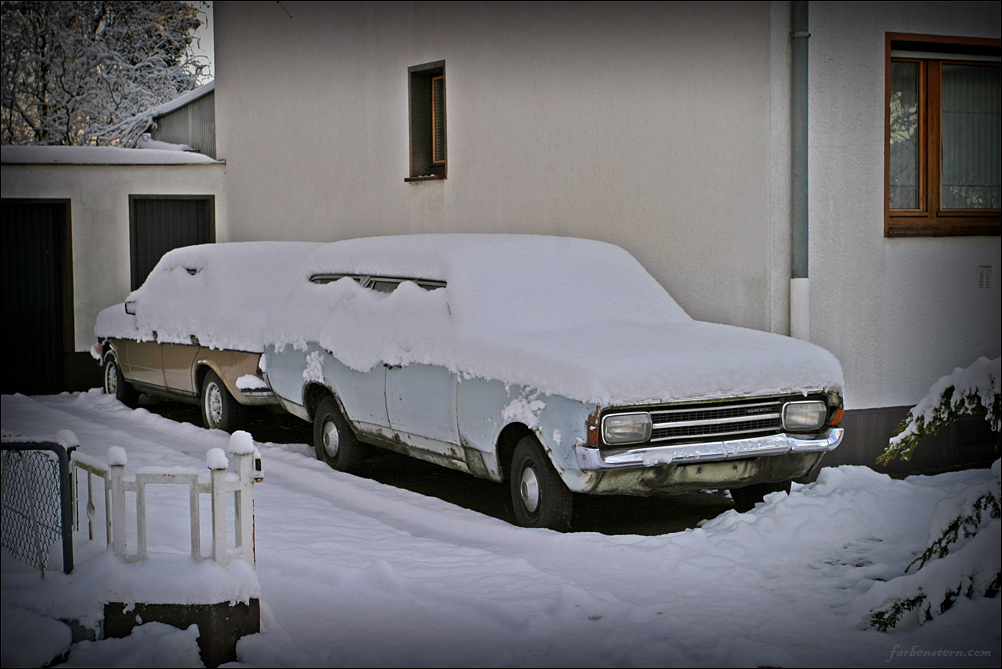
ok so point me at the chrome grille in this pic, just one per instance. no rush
(726, 420)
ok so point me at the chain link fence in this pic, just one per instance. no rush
(35, 499)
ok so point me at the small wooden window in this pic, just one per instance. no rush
(426, 88)
(942, 136)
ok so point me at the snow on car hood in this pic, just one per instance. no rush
(570, 317)
(219, 293)
(643, 363)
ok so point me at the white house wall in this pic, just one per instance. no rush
(99, 221)
(647, 125)
(899, 313)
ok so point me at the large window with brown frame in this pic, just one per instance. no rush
(943, 131)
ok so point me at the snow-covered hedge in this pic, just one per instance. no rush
(962, 558)
(970, 390)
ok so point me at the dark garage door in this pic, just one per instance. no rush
(164, 223)
(35, 243)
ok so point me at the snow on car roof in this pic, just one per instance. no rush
(219, 293)
(573, 317)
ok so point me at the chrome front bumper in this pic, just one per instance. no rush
(594, 459)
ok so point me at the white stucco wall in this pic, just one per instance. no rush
(648, 125)
(661, 127)
(898, 313)
(99, 220)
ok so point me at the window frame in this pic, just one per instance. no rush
(427, 122)
(929, 219)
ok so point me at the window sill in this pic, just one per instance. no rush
(427, 177)
(932, 227)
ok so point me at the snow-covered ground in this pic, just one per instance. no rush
(354, 572)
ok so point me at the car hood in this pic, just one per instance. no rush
(615, 364)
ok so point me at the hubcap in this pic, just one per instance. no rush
(213, 405)
(110, 379)
(529, 489)
(331, 439)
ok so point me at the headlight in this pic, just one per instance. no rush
(626, 428)
(804, 416)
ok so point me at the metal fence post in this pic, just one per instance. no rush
(61, 450)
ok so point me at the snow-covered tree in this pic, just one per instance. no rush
(79, 73)
(975, 389)
(962, 558)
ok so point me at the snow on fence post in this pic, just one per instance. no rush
(117, 460)
(240, 483)
(217, 462)
(242, 449)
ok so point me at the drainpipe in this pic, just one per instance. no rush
(800, 294)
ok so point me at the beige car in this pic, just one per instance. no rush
(221, 381)
(192, 331)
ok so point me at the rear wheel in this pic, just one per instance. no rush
(219, 410)
(115, 383)
(746, 498)
(539, 496)
(333, 440)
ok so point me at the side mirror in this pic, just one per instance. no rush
(130, 308)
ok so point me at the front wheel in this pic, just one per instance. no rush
(539, 496)
(333, 440)
(115, 383)
(219, 410)
(746, 498)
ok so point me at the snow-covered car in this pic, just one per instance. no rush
(192, 331)
(557, 364)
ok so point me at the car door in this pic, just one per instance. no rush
(177, 359)
(143, 363)
(421, 399)
(421, 404)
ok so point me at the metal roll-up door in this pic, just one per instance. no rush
(160, 224)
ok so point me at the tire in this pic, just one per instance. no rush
(539, 497)
(334, 441)
(115, 383)
(746, 498)
(219, 410)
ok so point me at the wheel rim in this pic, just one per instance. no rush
(331, 439)
(213, 405)
(110, 379)
(529, 490)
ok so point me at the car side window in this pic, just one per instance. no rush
(382, 284)
(389, 284)
(331, 278)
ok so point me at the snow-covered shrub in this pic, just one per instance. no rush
(975, 389)
(962, 558)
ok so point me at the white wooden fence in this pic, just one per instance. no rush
(219, 485)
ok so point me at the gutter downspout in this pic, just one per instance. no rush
(800, 294)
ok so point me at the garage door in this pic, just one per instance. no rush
(35, 246)
(160, 224)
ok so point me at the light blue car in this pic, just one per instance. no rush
(559, 365)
